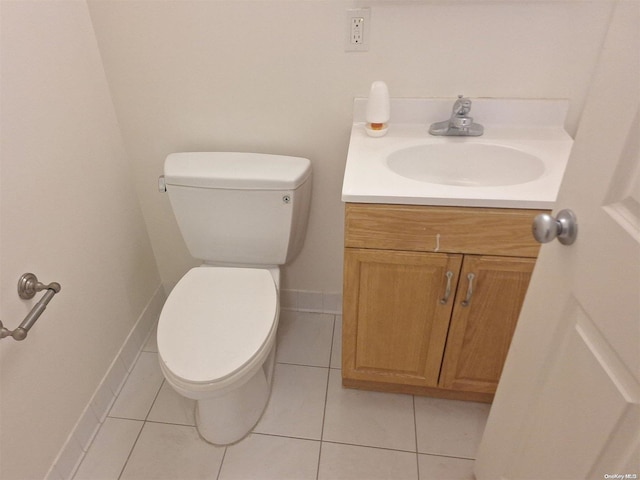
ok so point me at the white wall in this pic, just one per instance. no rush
(69, 213)
(272, 76)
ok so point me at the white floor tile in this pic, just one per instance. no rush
(367, 435)
(305, 338)
(172, 452)
(368, 418)
(445, 468)
(449, 427)
(296, 405)
(109, 450)
(265, 457)
(349, 462)
(140, 390)
(171, 407)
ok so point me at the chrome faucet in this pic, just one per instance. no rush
(460, 123)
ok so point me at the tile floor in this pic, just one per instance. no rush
(312, 428)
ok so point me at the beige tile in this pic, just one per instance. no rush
(445, 468)
(365, 418)
(449, 427)
(172, 452)
(266, 457)
(349, 462)
(171, 407)
(305, 338)
(296, 405)
(109, 450)
(140, 390)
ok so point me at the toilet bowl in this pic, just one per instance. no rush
(243, 215)
(216, 345)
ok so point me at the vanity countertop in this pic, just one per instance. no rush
(533, 127)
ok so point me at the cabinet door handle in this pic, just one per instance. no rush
(447, 292)
(467, 301)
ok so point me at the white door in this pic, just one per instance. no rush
(568, 404)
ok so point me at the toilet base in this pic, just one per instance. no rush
(230, 417)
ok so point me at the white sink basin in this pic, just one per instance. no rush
(466, 164)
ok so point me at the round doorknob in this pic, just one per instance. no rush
(564, 227)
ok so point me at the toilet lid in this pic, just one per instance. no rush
(215, 320)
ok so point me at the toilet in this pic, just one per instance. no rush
(243, 215)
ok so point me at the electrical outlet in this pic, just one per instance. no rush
(358, 30)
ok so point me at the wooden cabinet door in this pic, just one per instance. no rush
(394, 323)
(481, 331)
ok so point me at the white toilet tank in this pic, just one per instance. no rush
(240, 208)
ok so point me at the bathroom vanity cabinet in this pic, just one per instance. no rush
(432, 296)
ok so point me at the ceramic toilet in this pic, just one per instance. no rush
(243, 215)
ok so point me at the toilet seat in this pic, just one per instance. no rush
(215, 322)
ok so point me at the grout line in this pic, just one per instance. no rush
(124, 465)
(144, 423)
(372, 446)
(326, 391)
(224, 455)
(350, 444)
(444, 455)
(279, 435)
(302, 364)
(415, 430)
(155, 398)
(326, 397)
(170, 423)
(319, 457)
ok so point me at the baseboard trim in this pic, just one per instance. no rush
(82, 435)
(311, 301)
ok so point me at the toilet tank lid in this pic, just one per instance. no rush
(235, 170)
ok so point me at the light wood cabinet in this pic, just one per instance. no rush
(432, 296)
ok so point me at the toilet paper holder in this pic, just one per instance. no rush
(28, 286)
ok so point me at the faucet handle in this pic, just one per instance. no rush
(462, 105)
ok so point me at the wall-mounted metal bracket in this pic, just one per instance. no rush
(28, 285)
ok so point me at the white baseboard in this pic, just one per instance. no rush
(80, 438)
(308, 301)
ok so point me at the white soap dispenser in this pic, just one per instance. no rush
(378, 110)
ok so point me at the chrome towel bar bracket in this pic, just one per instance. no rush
(28, 285)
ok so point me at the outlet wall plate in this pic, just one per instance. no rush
(357, 30)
